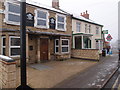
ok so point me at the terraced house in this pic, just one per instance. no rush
(49, 31)
(87, 37)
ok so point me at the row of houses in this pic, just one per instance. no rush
(52, 33)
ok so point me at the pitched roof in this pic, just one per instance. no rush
(75, 16)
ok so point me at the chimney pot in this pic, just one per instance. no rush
(55, 4)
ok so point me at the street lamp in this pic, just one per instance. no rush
(23, 85)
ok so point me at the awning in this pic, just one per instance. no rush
(84, 34)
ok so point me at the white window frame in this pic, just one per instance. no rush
(2, 45)
(37, 18)
(10, 47)
(7, 12)
(78, 24)
(60, 15)
(57, 45)
(65, 46)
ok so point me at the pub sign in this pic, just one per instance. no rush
(52, 23)
(30, 19)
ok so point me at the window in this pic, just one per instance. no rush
(97, 30)
(14, 46)
(41, 17)
(65, 46)
(3, 45)
(61, 22)
(85, 28)
(78, 27)
(12, 13)
(87, 42)
(89, 28)
(57, 46)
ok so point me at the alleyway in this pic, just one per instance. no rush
(93, 77)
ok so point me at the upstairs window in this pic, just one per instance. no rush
(97, 30)
(61, 22)
(12, 13)
(41, 20)
(89, 28)
(85, 28)
(78, 27)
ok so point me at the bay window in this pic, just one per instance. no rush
(57, 46)
(65, 45)
(3, 47)
(14, 46)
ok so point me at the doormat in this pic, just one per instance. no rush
(40, 67)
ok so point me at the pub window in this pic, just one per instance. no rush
(12, 13)
(65, 45)
(78, 27)
(41, 20)
(61, 22)
(3, 45)
(57, 46)
(14, 46)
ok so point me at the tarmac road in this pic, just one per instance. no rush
(93, 77)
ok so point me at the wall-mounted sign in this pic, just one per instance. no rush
(52, 23)
(30, 19)
(109, 37)
(105, 31)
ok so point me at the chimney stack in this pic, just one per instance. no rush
(85, 14)
(55, 4)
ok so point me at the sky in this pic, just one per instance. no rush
(104, 12)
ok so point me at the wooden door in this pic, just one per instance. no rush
(43, 49)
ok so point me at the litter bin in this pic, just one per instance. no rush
(104, 52)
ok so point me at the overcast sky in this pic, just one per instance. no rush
(104, 12)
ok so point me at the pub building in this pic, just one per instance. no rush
(49, 31)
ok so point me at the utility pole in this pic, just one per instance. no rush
(23, 85)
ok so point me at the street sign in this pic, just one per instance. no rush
(105, 31)
(109, 37)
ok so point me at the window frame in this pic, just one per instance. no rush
(97, 30)
(78, 24)
(10, 47)
(86, 28)
(36, 18)
(65, 46)
(89, 28)
(57, 45)
(61, 22)
(2, 45)
(7, 12)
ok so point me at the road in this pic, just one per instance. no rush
(93, 77)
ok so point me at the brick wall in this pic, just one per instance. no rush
(86, 54)
(7, 73)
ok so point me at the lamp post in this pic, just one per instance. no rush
(23, 85)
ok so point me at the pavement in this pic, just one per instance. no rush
(71, 73)
(47, 75)
(94, 77)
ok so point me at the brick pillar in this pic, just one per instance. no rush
(7, 72)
